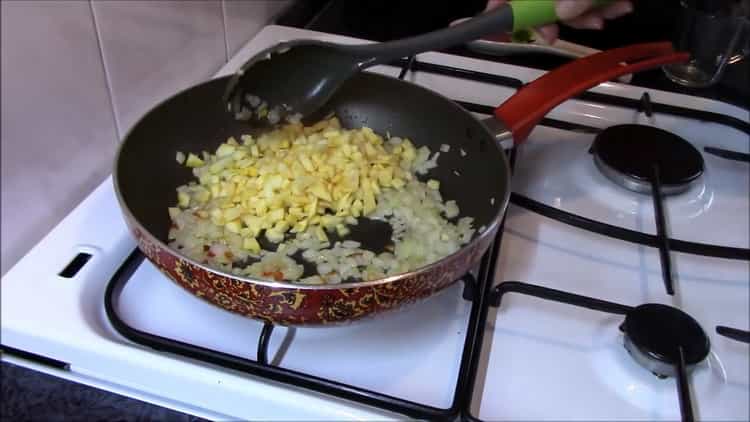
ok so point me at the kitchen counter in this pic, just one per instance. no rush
(31, 395)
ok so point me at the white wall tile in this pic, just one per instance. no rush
(58, 132)
(245, 18)
(153, 49)
(60, 125)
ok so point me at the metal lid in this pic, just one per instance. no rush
(627, 154)
(655, 332)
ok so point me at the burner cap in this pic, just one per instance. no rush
(627, 154)
(653, 333)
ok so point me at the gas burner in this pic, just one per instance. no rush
(629, 154)
(654, 333)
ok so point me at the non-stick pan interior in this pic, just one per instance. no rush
(196, 120)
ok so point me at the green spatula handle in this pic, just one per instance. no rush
(531, 13)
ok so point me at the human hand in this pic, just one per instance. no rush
(577, 14)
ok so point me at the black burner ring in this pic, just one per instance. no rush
(627, 155)
(654, 333)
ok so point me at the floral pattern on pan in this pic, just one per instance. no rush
(289, 304)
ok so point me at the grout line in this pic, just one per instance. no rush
(224, 27)
(107, 78)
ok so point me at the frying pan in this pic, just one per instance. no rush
(146, 176)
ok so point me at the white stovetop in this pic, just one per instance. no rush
(540, 360)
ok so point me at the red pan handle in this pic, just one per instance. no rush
(521, 112)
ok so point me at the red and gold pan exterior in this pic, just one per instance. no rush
(297, 304)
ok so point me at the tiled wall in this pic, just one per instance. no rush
(76, 75)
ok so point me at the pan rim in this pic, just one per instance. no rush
(490, 229)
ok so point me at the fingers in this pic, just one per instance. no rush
(616, 9)
(494, 4)
(569, 9)
(592, 19)
(549, 32)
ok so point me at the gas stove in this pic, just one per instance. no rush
(608, 293)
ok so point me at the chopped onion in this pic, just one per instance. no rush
(207, 228)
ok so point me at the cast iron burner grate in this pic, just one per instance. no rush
(646, 159)
(662, 339)
(675, 178)
(474, 290)
(733, 333)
